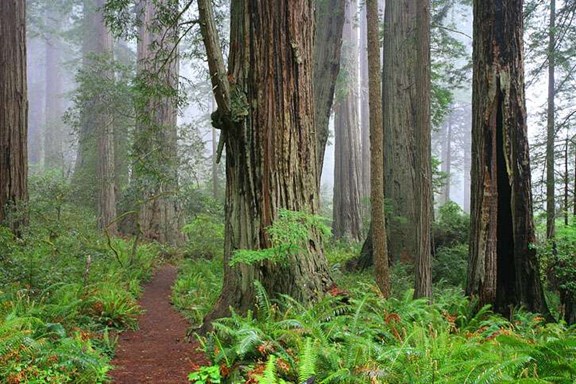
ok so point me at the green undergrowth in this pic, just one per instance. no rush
(362, 338)
(65, 291)
(197, 288)
(353, 335)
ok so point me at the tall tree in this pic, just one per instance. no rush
(364, 110)
(423, 164)
(95, 157)
(266, 116)
(378, 226)
(347, 222)
(327, 48)
(36, 94)
(53, 135)
(155, 147)
(503, 268)
(13, 112)
(407, 158)
(551, 128)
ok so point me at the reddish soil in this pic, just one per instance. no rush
(159, 351)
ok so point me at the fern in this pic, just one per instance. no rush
(307, 366)
(269, 374)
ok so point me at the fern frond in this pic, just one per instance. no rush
(263, 303)
(307, 365)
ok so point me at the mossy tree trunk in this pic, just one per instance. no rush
(266, 114)
(503, 268)
(13, 114)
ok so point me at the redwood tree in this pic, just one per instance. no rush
(503, 268)
(378, 226)
(155, 146)
(327, 48)
(347, 221)
(266, 116)
(13, 111)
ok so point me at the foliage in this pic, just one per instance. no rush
(203, 375)
(452, 226)
(289, 235)
(205, 236)
(558, 262)
(197, 288)
(63, 288)
(361, 338)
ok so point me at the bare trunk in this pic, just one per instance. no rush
(36, 91)
(105, 135)
(53, 135)
(423, 166)
(379, 242)
(503, 268)
(445, 167)
(270, 144)
(550, 129)
(13, 115)
(347, 220)
(328, 42)
(364, 112)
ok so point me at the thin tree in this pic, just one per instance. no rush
(13, 114)
(503, 267)
(376, 150)
(266, 117)
(423, 157)
(551, 128)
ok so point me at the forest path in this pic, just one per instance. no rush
(158, 352)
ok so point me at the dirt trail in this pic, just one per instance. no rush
(158, 352)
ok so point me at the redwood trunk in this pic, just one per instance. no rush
(327, 47)
(399, 98)
(347, 222)
(270, 142)
(503, 268)
(53, 135)
(156, 146)
(13, 113)
(378, 226)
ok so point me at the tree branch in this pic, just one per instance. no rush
(218, 76)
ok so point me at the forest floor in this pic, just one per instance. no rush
(159, 351)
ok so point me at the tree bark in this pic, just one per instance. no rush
(266, 114)
(347, 222)
(13, 115)
(156, 146)
(503, 268)
(364, 111)
(379, 241)
(327, 49)
(551, 128)
(423, 166)
(399, 98)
